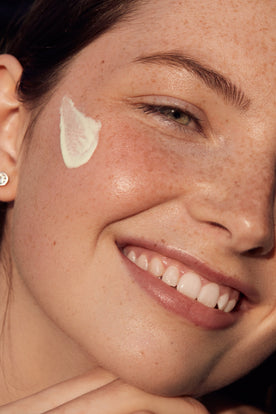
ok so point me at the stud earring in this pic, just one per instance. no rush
(4, 179)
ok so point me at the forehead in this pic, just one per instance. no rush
(243, 26)
(238, 41)
(210, 16)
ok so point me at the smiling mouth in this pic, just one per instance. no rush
(187, 282)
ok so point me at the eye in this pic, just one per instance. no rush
(176, 117)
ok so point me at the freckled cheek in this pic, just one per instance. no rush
(126, 175)
(132, 173)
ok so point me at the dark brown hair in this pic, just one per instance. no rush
(52, 32)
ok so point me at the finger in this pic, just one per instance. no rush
(120, 398)
(59, 394)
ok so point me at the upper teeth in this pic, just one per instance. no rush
(188, 283)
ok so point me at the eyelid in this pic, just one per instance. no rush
(160, 100)
(171, 102)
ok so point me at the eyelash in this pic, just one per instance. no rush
(161, 109)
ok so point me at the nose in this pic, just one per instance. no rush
(241, 210)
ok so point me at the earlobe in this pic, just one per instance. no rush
(11, 133)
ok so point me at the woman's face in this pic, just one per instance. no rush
(183, 175)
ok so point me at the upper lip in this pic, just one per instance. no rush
(195, 264)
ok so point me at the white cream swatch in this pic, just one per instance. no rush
(79, 135)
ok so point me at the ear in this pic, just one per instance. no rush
(11, 124)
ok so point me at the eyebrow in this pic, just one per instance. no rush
(219, 83)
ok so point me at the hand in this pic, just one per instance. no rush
(100, 393)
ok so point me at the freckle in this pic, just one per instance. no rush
(163, 241)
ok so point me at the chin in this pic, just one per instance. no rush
(169, 380)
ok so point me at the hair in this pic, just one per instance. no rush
(49, 35)
(52, 32)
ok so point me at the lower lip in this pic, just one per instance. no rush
(173, 301)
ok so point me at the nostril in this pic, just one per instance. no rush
(256, 251)
(243, 226)
(245, 237)
(259, 251)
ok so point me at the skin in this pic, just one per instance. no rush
(74, 306)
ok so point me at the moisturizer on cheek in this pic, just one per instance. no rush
(79, 135)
